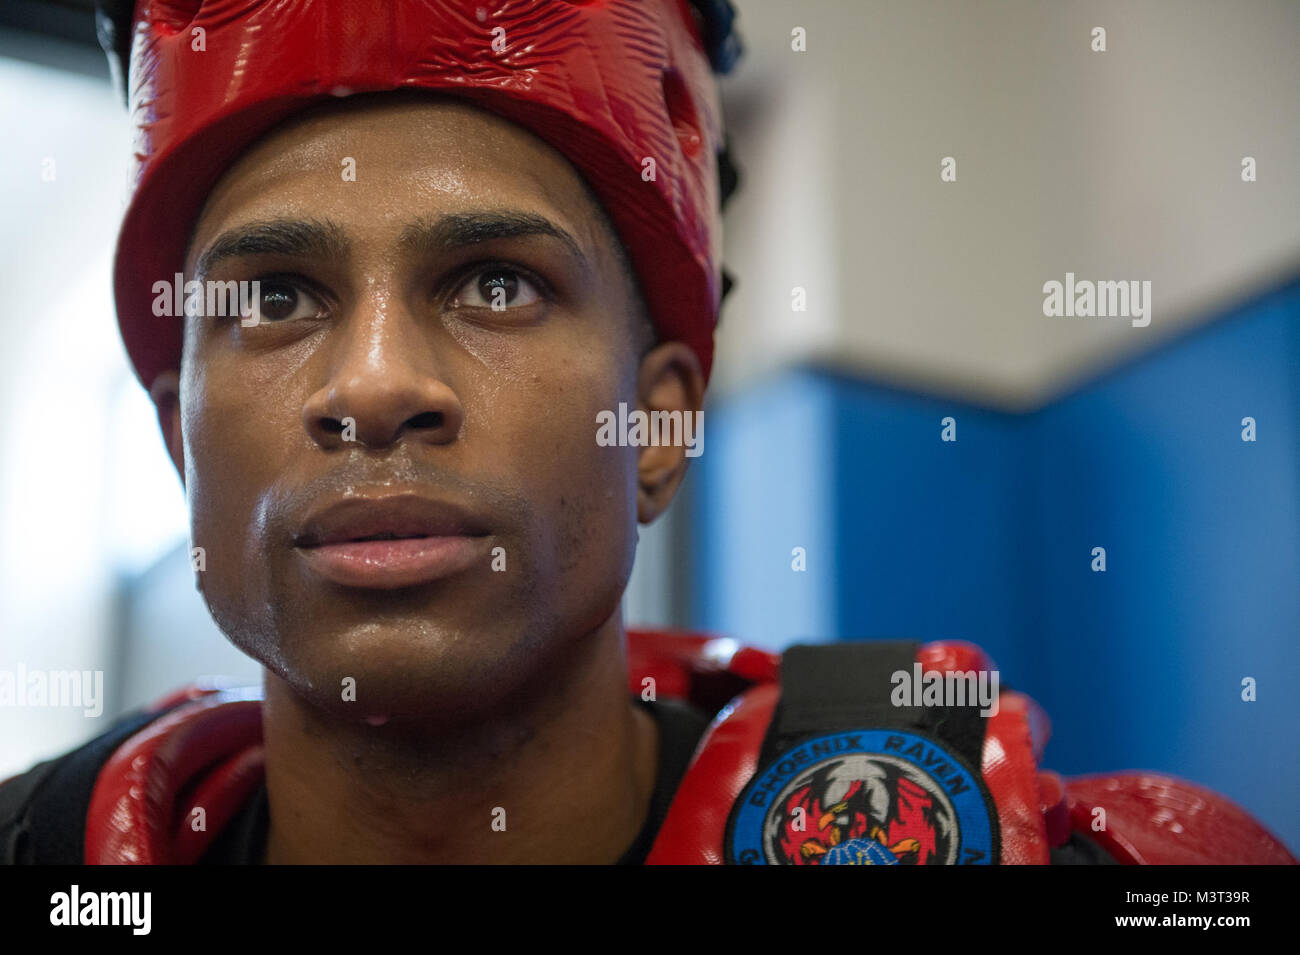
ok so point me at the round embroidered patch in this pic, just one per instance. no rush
(864, 797)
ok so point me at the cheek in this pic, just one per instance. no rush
(242, 423)
(234, 451)
(583, 496)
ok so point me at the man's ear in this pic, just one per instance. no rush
(669, 380)
(166, 395)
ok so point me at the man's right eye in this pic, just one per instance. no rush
(280, 301)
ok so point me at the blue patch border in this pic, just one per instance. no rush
(977, 816)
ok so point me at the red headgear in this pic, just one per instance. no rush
(610, 84)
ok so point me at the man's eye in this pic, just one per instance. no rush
(281, 301)
(497, 288)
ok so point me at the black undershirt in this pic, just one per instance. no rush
(243, 840)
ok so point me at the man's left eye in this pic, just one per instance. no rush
(497, 288)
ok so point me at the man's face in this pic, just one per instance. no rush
(381, 395)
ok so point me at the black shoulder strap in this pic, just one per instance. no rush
(43, 811)
(857, 754)
(846, 686)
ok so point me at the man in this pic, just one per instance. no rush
(399, 504)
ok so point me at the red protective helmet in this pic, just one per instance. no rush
(610, 84)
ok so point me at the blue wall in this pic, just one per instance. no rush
(989, 539)
(763, 487)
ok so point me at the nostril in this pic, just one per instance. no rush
(427, 419)
(331, 425)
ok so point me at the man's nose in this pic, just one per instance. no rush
(384, 384)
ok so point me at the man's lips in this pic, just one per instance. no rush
(389, 542)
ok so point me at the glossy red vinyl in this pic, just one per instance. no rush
(207, 752)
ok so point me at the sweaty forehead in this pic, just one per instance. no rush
(375, 162)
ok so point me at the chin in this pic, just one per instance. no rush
(399, 669)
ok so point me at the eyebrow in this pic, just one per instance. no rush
(313, 238)
(305, 238)
(456, 230)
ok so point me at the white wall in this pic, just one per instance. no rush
(59, 367)
(1115, 165)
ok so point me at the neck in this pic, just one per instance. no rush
(559, 772)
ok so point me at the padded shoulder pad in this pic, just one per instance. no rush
(206, 753)
(191, 691)
(1152, 819)
(727, 760)
(703, 670)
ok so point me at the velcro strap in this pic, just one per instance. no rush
(842, 686)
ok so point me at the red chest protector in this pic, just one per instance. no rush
(850, 794)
